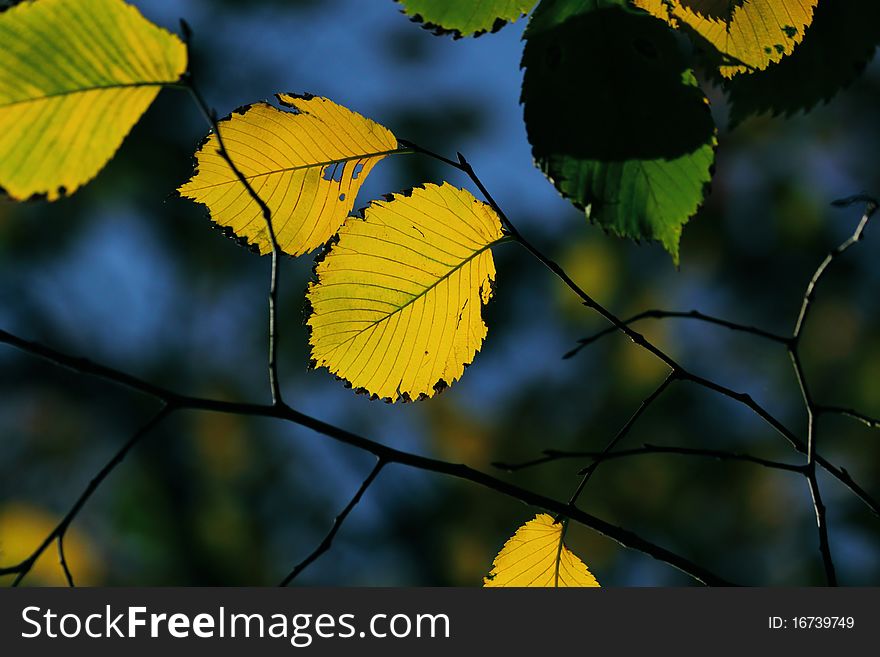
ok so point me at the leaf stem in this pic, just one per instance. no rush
(188, 81)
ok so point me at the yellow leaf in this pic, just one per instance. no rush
(307, 166)
(75, 76)
(749, 35)
(396, 309)
(536, 556)
(23, 527)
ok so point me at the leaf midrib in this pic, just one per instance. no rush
(424, 292)
(70, 92)
(313, 165)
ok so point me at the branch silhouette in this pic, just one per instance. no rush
(551, 455)
(813, 409)
(675, 368)
(172, 401)
(868, 421)
(337, 525)
(672, 314)
(210, 115)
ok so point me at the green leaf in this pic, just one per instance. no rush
(835, 51)
(75, 76)
(466, 17)
(615, 117)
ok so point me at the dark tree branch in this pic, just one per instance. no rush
(62, 560)
(868, 421)
(21, 569)
(337, 525)
(812, 409)
(551, 455)
(211, 117)
(681, 373)
(278, 409)
(810, 468)
(671, 314)
(176, 402)
(587, 473)
(809, 296)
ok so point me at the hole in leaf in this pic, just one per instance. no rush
(334, 172)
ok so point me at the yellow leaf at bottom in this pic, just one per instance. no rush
(536, 556)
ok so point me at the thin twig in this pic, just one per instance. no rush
(810, 405)
(551, 455)
(870, 209)
(24, 567)
(210, 115)
(672, 314)
(870, 422)
(743, 398)
(282, 411)
(587, 473)
(63, 561)
(337, 525)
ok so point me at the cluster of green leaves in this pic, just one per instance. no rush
(614, 113)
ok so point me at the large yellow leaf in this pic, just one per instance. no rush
(396, 309)
(748, 35)
(75, 76)
(307, 166)
(536, 556)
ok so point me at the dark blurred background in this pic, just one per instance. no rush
(127, 274)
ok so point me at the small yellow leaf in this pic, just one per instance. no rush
(536, 556)
(749, 35)
(23, 527)
(306, 165)
(75, 76)
(396, 309)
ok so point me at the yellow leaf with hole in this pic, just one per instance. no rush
(536, 556)
(75, 76)
(397, 306)
(306, 165)
(744, 35)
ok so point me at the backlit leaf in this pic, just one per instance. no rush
(75, 76)
(742, 35)
(466, 17)
(616, 118)
(396, 308)
(306, 165)
(536, 556)
(834, 52)
(23, 527)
